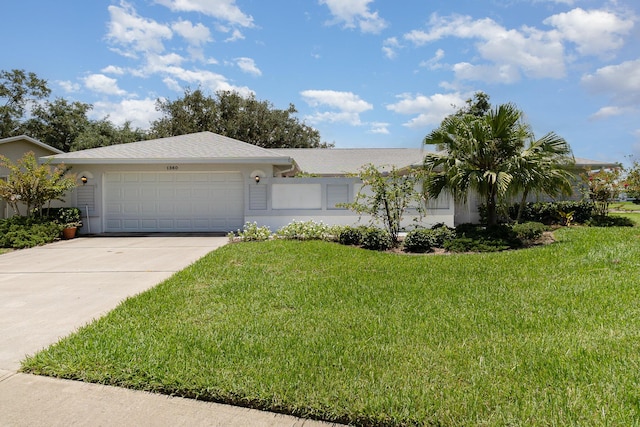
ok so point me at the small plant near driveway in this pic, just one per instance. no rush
(251, 232)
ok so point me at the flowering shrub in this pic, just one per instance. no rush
(251, 232)
(305, 230)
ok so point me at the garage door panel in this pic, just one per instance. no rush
(131, 177)
(174, 201)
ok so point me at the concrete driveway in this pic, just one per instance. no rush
(50, 291)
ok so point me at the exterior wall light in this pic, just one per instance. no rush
(84, 179)
(257, 178)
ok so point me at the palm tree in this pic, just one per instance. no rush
(545, 166)
(476, 153)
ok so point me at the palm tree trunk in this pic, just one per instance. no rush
(492, 211)
(525, 193)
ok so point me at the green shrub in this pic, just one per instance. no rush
(467, 244)
(420, 240)
(251, 232)
(550, 213)
(529, 230)
(307, 230)
(610, 221)
(70, 217)
(477, 238)
(376, 239)
(351, 235)
(21, 232)
(442, 234)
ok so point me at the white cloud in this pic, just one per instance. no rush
(595, 32)
(224, 10)
(428, 110)
(355, 13)
(206, 79)
(134, 32)
(140, 112)
(349, 106)
(621, 82)
(113, 69)
(379, 128)
(527, 51)
(235, 35)
(492, 73)
(434, 63)
(610, 111)
(248, 65)
(195, 35)
(389, 47)
(68, 86)
(103, 84)
(157, 63)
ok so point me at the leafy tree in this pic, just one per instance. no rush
(57, 123)
(477, 106)
(101, 133)
(230, 114)
(476, 153)
(385, 196)
(32, 184)
(604, 186)
(545, 166)
(17, 89)
(632, 181)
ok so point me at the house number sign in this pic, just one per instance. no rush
(172, 168)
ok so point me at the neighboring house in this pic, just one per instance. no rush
(14, 148)
(206, 182)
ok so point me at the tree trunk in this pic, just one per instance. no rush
(492, 214)
(525, 193)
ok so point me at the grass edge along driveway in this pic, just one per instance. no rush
(544, 336)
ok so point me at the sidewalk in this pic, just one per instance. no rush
(29, 400)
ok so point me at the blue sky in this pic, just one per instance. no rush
(365, 73)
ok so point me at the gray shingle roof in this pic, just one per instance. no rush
(340, 161)
(595, 164)
(201, 147)
(208, 147)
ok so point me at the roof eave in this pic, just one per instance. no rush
(147, 161)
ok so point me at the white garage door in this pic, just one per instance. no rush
(174, 201)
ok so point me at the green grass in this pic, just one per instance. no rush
(537, 337)
(624, 206)
(634, 216)
(4, 250)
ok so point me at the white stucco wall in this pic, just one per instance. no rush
(274, 202)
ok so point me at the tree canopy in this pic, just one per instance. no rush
(26, 109)
(17, 89)
(33, 185)
(235, 116)
(485, 150)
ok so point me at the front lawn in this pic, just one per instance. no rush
(624, 206)
(542, 336)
